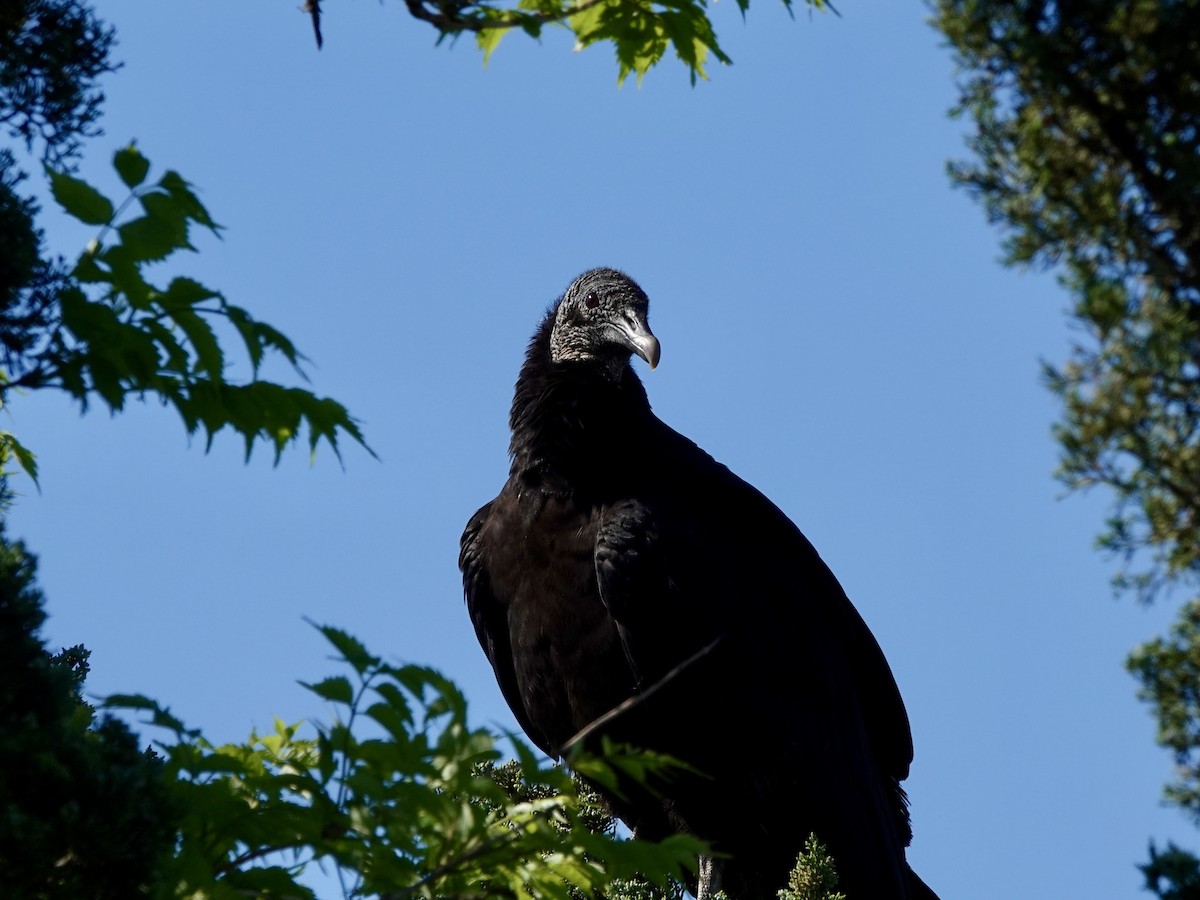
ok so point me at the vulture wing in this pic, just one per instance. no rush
(490, 618)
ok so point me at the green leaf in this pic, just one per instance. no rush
(488, 39)
(170, 214)
(586, 25)
(125, 274)
(176, 358)
(149, 239)
(246, 327)
(88, 321)
(390, 718)
(351, 649)
(129, 701)
(183, 195)
(326, 757)
(335, 689)
(80, 199)
(161, 716)
(395, 698)
(131, 165)
(88, 270)
(273, 339)
(203, 339)
(184, 291)
(11, 447)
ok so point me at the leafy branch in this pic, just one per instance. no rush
(409, 802)
(640, 31)
(111, 333)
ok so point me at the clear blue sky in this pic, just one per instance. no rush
(835, 328)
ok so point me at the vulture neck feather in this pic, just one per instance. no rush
(574, 423)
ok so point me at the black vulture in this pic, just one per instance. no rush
(623, 568)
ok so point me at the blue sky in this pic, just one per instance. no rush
(835, 328)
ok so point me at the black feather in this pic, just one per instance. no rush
(625, 576)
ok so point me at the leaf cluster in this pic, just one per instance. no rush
(1168, 670)
(102, 329)
(640, 31)
(108, 332)
(399, 795)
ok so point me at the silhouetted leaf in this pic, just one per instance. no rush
(336, 689)
(148, 239)
(131, 165)
(351, 649)
(187, 201)
(80, 199)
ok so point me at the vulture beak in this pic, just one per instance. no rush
(635, 334)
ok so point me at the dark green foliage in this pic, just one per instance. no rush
(83, 811)
(1169, 671)
(399, 793)
(1087, 153)
(1172, 874)
(29, 283)
(22, 242)
(53, 52)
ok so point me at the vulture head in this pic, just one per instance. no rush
(602, 320)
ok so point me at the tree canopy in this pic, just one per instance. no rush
(1086, 151)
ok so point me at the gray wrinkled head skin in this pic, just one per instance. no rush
(603, 318)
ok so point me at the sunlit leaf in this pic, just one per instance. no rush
(11, 448)
(487, 41)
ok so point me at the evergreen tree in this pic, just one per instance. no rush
(1086, 150)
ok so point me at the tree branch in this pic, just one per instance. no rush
(447, 16)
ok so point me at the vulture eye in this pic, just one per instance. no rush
(592, 300)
